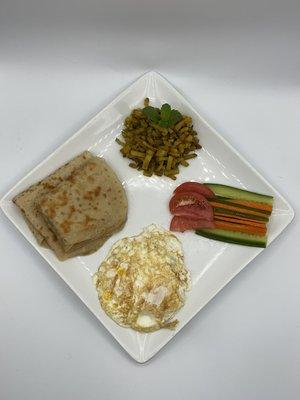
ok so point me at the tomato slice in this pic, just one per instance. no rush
(192, 205)
(195, 187)
(181, 224)
(186, 199)
(193, 211)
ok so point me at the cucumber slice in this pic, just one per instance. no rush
(240, 214)
(238, 194)
(233, 237)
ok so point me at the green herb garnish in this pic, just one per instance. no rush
(164, 117)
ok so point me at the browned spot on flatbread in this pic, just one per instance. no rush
(88, 195)
(71, 211)
(43, 201)
(71, 178)
(52, 212)
(63, 199)
(48, 185)
(88, 220)
(65, 226)
(92, 165)
(97, 191)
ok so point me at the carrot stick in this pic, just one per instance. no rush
(253, 204)
(237, 209)
(254, 230)
(239, 221)
(220, 214)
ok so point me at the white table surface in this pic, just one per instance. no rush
(238, 63)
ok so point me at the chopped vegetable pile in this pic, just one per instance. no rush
(158, 141)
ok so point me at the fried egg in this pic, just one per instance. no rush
(143, 280)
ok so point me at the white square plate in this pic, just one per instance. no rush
(212, 264)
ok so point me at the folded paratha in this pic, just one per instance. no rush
(91, 203)
(27, 202)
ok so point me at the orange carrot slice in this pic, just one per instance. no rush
(254, 230)
(253, 204)
(220, 214)
(236, 209)
(239, 221)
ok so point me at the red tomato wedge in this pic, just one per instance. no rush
(192, 205)
(181, 224)
(193, 211)
(195, 187)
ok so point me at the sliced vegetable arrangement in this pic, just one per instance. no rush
(221, 212)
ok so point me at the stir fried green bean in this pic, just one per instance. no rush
(157, 148)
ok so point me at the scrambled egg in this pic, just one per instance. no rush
(142, 282)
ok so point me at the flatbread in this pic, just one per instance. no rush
(91, 203)
(27, 199)
(40, 238)
(84, 250)
(27, 203)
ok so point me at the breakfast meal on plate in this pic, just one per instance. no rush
(142, 282)
(221, 212)
(77, 208)
(186, 236)
(158, 140)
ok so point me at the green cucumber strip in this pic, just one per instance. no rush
(228, 201)
(233, 237)
(240, 214)
(238, 194)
